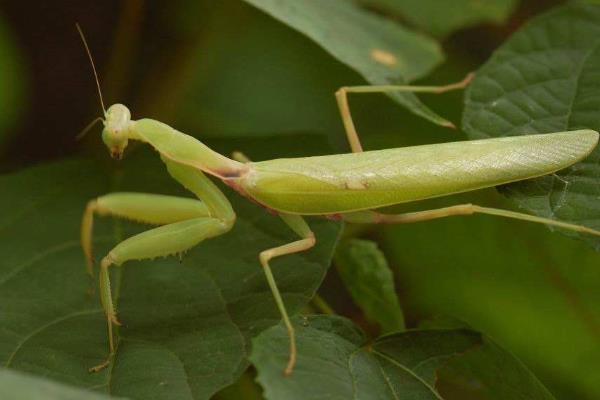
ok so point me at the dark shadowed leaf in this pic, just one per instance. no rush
(490, 373)
(368, 278)
(546, 78)
(382, 51)
(187, 326)
(443, 17)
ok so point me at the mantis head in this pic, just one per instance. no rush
(116, 129)
(117, 119)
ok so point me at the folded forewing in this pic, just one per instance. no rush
(357, 181)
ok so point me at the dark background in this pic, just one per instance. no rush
(144, 51)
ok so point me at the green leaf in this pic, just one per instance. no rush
(380, 50)
(18, 386)
(366, 274)
(335, 362)
(187, 327)
(441, 18)
(546, 79)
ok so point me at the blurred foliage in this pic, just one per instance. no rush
(382, 52)
(534, 292)
(442, 18)
(12, 84)
(237, 78)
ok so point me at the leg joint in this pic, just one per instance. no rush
(228, 222)
(466, 209)
(341, 91)
(92, 206)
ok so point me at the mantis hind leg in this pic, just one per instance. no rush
(298, 225)
(373, 217)
(342, 100)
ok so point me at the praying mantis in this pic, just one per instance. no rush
(348, 187)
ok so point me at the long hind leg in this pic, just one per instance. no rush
(373, 217)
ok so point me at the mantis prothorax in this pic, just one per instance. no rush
(342, 186)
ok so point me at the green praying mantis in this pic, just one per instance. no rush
(347, 187)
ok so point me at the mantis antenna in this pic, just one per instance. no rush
(89, 53)
(88, 128)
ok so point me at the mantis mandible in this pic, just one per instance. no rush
(348, 187)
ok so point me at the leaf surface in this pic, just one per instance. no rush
(336, 362)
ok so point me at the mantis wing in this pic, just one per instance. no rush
(357, 181)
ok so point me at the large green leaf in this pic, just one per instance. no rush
(546, 78)
(18, 386)
(443, 17)
(336, 362)
(368, 278)
(186, 326)
(382, 51)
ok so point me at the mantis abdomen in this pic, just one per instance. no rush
(358, 181)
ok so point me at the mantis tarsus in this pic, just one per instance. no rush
(345, 186)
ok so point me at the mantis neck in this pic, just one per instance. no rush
(184, 149)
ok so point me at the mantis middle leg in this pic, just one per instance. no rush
(342, 100)
(186, 222)
(298, 225)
